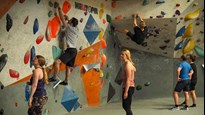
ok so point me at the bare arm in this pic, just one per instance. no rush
(140, 17)
(34, 83)
(178, 73)
(61, 15)
(191, 73)
(135, 20)
(128, 77)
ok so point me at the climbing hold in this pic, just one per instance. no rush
(103, 58)
(177, 12)
(199, 51)
(50, 4)
(81, 20)
(166, 41)
(104, 44)
(9, 22)
(160, 16)
(163, 47)
(118, 17)
(50, 13)
(163, 13)
(108, 18)
(198, 23)
(189, 46)
(147, 83)
(177, 5)
(39, 39)
(189, 31)
(145, 2)
(179, 46)
(114, 4)
(85, 13)
(192, 15)
(181, 31)
(35, 26)
(160, 2)
(195, 4)
(138, 87)
(26, 20)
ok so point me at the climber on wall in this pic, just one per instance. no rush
(140, 31)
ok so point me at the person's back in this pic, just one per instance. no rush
(185, 69)
(71, 34)
(40, 90)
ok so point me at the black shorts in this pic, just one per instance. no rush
(192, 85)
(134, 37)
(182, 85)
(68, 57)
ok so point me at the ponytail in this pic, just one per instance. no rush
(45, 76)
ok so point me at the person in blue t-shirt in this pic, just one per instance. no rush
(184, 73)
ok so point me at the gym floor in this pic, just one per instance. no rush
(159, 106)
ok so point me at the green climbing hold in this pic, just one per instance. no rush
(50, 13)
(50, 4)
(108, 17)
(138, 87)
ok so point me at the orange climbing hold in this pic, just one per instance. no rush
(104, 59)
(118, 17)
(104, 44)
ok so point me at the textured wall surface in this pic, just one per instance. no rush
(153, 66)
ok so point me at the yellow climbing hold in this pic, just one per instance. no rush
(192, 15)
(188, 32)
(101, 73)
(101, 12)
(101, 33)
(189, 46)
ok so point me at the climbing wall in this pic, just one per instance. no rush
(189, 20)
(160, 40)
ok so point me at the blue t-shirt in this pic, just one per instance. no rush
(185, 69)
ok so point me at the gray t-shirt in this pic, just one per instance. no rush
(71, 35)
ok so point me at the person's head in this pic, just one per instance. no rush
(191, 58)
(126, 55)
(39, 60)
(73, 21)
(183, 58)
(142, 24)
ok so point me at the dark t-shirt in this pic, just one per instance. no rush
(194, 75)
(140, 35)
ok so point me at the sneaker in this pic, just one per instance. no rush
(64, 83)
(194, 105)
(57, 82)
(185, 108)
(175, 108)
(52, 79)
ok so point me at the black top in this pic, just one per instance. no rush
(194, 75)
(139, 34)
